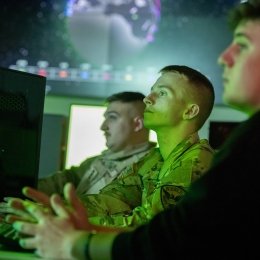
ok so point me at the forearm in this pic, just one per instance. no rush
(100, 246)
(94, 246)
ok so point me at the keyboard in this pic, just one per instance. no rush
(9, 237)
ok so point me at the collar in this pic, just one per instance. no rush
(143, 147)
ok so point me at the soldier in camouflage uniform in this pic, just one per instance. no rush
(150, 185)
(127, 141)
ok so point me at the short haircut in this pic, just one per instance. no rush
(126, 96)
(247, 10)
(201, 87)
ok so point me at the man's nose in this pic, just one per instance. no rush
(148, 99)
(225, 58)
(103, 126)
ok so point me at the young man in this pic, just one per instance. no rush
(219, 217)
(179, 103)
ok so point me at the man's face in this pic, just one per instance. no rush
(118, 125)
(241, 63)
(165, 103)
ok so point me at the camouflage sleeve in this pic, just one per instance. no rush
(176, 182)
(103, 205)
(116, 199)
(173, 185)
(55, 182)
(126, 188)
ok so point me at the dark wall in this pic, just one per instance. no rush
(53, 144)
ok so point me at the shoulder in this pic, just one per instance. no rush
(200, 148)
(90, 160)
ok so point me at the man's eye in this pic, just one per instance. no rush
(162, 93)
(111, 117)
(242, 46)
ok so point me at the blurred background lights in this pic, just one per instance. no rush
(21, 63)
(85, 72)
(42, 64)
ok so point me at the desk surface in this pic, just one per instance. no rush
(9, 255)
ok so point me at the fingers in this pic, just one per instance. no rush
(4, 207)
(20, 210)
(58, 206)
(7, 199)
(16, 203)
(36, 195)
(14, 210)
(72, 198)
(13, 206)
(69, 191)
(36, 211)
(25, 217)
(12, 218)
(25, 228)
(28, 243)
(79, 214)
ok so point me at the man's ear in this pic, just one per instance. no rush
(139, 123)
(191, 111)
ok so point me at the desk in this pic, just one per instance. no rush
(10, 255)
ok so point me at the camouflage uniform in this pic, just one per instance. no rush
(150, 185)
(94, 173)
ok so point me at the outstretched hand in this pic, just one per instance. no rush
(61, 231)
(53, 235)
(14, 207)
(17, 209)
(54, 231)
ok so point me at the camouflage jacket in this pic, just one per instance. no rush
(94, 173)
(150, 185)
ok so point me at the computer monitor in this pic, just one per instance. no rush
(22, 97)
